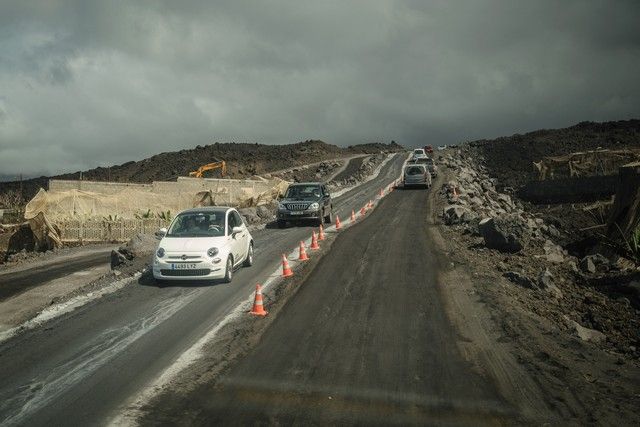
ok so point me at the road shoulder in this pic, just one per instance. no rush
(545, 372)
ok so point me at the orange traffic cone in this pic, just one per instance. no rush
(353, 216)
(363, 210)
(381, 192)
(314, 241)
(321, 233)
(258, 308)
(286, 270)
(338, 224)
(303, 252)
(370, 205)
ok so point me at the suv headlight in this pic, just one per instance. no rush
(160, 252)
(313, 206)
(282, 207)
(212, 252)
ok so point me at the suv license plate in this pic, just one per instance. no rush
(297, 213)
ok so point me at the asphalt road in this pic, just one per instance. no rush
(364, 342)
(13, 283)
(79, 368)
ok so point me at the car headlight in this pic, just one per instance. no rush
(212, 252)
(160, 252)
(314, 206)
(282, 207)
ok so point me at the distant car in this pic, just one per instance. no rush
(418, 153)
(203, 244)
(433, 169)
(428, 149)
(442, 147)
(453, 146)
(428, 161)
(416, 174)
(305, 201)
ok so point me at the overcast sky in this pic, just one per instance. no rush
(86, 83)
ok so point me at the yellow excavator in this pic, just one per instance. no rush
(210, 166)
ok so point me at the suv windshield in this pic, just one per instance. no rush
(303, 192)
(198, 224)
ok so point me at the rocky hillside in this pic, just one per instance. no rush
(510, 158)
(243, 160)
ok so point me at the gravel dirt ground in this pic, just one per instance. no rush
(580, 382)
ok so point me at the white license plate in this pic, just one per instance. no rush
(297, 213)
(184, 266)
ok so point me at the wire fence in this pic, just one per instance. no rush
(108, 231)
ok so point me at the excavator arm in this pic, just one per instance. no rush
(210, 166)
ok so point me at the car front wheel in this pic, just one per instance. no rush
(248, 261)
(228, 275)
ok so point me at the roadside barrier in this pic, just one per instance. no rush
(338, 224)
(353, 216)
(321, 235)
(381, 192)
(370, 205)
(258, 307)
(303, 252)
(286, 270)
(314, 241)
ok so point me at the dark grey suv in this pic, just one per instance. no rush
(305, 201)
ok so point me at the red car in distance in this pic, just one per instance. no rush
(428, 149)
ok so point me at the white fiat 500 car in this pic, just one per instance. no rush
(203, 244)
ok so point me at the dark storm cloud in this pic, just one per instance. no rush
(94, 83)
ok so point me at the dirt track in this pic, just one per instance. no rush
(13, 283)
(362, 342)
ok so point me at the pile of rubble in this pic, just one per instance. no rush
(597, 296)
(138, 247)
(259, 215)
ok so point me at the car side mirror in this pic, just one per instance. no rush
(236, 230)
(161, 233)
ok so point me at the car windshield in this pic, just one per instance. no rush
(303, 192)
(414, 170)
(198, 224)
(418, 151)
